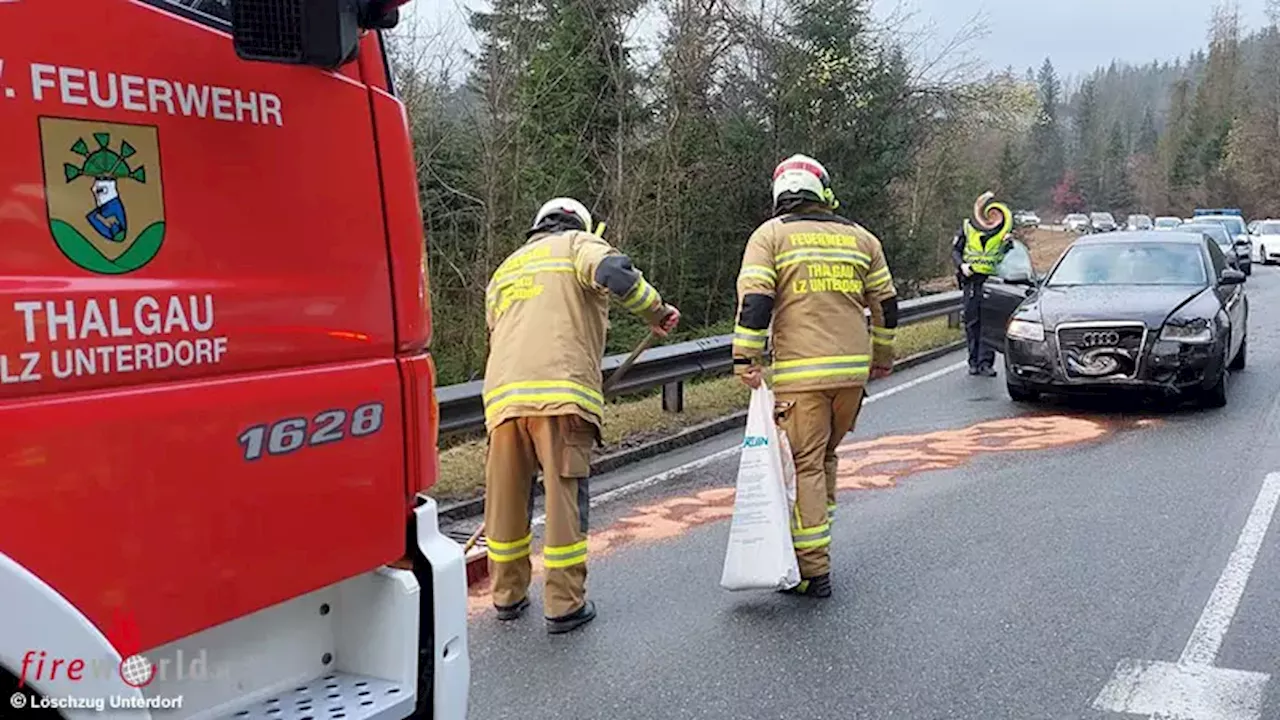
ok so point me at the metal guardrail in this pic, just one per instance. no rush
(668, 367)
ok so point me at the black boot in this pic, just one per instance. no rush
(819, 587)
(513, 611)
(572, 621)
(987, 371)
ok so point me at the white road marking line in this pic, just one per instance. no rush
(1163, 690)
(1206, 639)
(1192, 688)
(701, 462)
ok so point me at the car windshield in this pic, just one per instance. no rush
(1141, 263)
(1269, 228)
(1103, 217)
(1234, 225)
(1168, 222)
(1076, 218)
(1213, 230)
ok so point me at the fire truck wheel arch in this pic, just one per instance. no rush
(36, 618)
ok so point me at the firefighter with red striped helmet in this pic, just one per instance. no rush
(808, 279)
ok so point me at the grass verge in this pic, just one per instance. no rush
(632, 422)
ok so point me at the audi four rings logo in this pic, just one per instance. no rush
(1101, 338)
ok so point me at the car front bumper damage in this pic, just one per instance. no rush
(1164, 368)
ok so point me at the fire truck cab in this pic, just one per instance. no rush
(217, 410)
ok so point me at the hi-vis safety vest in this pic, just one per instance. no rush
(547, 313)
(984, 255)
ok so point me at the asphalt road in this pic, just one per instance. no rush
(990, 560)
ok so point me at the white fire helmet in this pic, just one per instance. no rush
(564, 206)
(802, 175)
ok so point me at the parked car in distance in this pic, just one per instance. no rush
(1239, 233)
(1266, 241)
(1026, 218)
(1076, 222)
(1138, 222)
(1229, 246)
(1102, 222)
(1167, 222)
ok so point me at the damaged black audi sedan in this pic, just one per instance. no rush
(1154, 312)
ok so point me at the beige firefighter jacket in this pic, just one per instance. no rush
(813, 275)
(547, 309)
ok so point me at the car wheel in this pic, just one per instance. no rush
(1216, 396)
(1239, 362)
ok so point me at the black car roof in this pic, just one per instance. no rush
(1153, 236)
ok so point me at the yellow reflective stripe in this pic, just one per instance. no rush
(783, 364)
(879, 278)
(561, 556)
(553, 265)
(853, 366)
(509, 551)
(848, 252)
(831, 513)
(514, 555)
(759, 272)
(543, 391)
(749, 337)
(542, 385)
(814, 537)
(834, 255)
(882, 336)
(641, 296)
(512, 545)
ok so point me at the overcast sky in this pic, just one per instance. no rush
(1078, 35)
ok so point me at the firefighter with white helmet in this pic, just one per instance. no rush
(547, 309)
(812, 275)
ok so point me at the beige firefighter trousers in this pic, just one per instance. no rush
(561, 446)
(815, 422)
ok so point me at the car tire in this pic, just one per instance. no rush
(1248, 269)
(1216, 396)
(1241, 358)
(1020, 394)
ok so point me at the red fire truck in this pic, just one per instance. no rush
(217, 413)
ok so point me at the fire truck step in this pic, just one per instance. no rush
(336, 696)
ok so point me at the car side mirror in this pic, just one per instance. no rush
(1231, 276)
(320, 33)
(1019, 277)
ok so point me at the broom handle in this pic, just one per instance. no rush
(613, 380)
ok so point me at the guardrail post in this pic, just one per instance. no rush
(673, 397)
(953, 319)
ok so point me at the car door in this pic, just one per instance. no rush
(1231, 296)
(1013, 282)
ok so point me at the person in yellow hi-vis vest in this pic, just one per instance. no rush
(977, 251)
(547, 309)
(813, 275)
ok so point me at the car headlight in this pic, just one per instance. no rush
(1025, 330)
(1195, 331)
